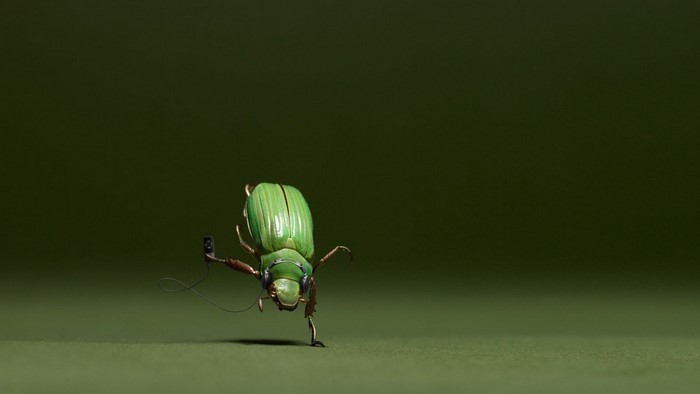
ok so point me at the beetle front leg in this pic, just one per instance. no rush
(234, 264)
(309, 310)
(311, 303)
(312, 328)
(240, 266)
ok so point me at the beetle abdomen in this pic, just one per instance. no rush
(279, 217)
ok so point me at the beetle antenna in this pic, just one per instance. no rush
(185, 287)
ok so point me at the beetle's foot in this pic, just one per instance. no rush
(318, 344)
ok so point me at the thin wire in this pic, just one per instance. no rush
(185, 286)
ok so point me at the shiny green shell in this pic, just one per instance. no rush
(279, 218)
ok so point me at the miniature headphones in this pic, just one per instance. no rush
(266, 278)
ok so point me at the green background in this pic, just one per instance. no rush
(507, 174)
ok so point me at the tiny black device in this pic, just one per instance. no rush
(209, 247)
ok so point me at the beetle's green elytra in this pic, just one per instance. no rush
(279, 218)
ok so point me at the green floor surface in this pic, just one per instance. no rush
(143, 341)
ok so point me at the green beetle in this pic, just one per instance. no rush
(280, 224)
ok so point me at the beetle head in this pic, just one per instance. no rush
(285, 293)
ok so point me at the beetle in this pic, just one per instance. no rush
(280, 224)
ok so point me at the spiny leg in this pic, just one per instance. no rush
(330, 254)
(311, 303)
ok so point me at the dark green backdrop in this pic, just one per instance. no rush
(544, 142)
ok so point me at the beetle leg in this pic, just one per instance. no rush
(311, 303)
(245, 246)
(240, 266)
(330, 254)
(309, 310)
(248, 189)
(312, 328)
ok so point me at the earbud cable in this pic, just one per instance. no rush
(200, 295)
